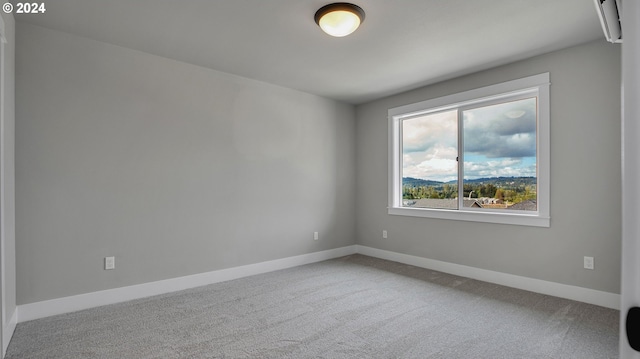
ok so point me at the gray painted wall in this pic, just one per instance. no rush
(585, 179)
(8, 152)
(171, 168)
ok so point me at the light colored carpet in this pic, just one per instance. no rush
(351, 307)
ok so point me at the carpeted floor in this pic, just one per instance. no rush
(351, 307)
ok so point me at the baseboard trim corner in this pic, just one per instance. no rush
(31, 311)
(580, 294)
(7, 331)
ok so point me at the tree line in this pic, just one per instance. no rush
(513, 194)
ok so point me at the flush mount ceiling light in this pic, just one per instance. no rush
(339, 19)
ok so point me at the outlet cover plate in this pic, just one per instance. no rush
(588, 262)
(109, 263)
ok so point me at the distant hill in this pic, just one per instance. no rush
(417, 182)
(504, 181)
(496, 181)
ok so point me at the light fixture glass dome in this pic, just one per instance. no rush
(339, 19)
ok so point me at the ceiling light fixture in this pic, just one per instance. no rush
(339, 19)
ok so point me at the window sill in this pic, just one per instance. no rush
(518, 219)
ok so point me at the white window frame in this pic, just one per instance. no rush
(538, 85)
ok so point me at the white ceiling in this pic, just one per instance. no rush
(402, 44)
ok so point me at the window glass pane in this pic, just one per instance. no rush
(500, 156)
(429, 165)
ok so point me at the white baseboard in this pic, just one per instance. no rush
(586, 295)
(7, 331)
(74, 303)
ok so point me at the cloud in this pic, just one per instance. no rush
(426, 132)
(503, 130)
(507, 167)
(439, 165)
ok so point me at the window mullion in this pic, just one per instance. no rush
(395, 158)
(460, 161)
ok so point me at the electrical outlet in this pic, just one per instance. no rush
(109, 263)
(588, 262)
(315, 236)
(384, 234)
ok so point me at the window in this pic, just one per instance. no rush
(481, 155)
